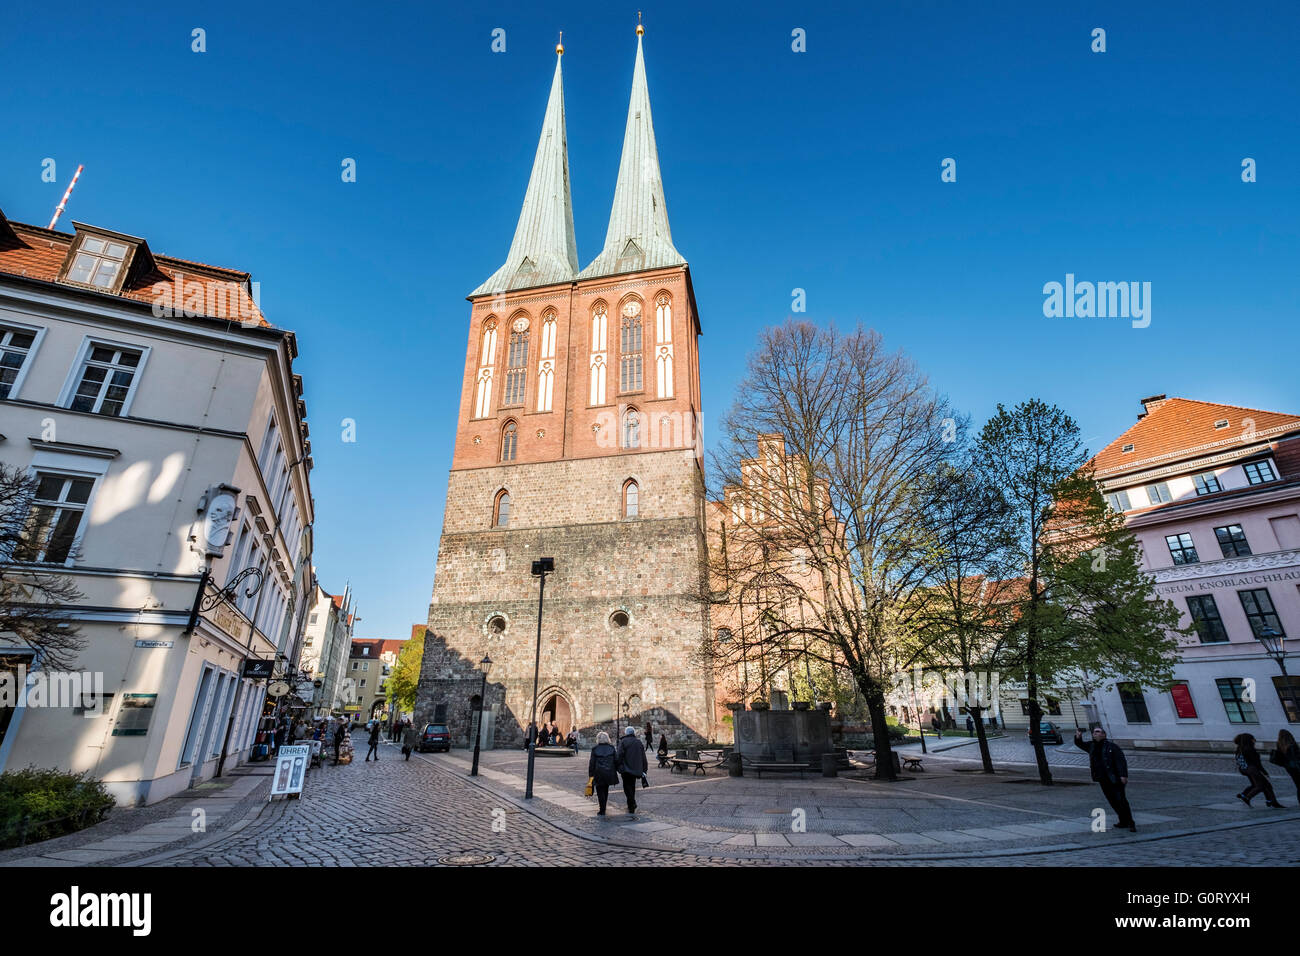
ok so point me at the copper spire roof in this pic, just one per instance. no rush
(638, 236)
(544, 250)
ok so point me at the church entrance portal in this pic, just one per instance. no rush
(557, 710)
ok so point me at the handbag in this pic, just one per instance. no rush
(645, 781)
(591, 785)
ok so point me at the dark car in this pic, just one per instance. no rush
(1049, 732)
(435, 737)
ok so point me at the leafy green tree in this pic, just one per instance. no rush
(1086, 602)
(405, 676)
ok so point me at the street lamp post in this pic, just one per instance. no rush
(541, 568)
(485, 665)
(1274, 646)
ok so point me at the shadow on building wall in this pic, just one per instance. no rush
(448, 693)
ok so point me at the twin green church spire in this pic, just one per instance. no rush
(544, 250)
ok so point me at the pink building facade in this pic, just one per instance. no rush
(1213, 494)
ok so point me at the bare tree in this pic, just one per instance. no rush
(831, 530)
(34, 600)
(960, 619)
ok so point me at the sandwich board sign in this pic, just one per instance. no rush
(290, 769)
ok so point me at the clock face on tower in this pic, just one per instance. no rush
(632, 309)
(521, 324)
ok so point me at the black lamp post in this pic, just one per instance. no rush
(1274, 646)
(484, 665)
(541, 568)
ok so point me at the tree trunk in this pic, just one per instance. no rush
(880, 731)
(977, 714)
(1035, 738)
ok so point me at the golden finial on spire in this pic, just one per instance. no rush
(559, 47)
(640, 30)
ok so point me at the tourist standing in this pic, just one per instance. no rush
(602, 769)
(1110, 769)
(631, 765)
(1287, 756)
(374, 741)
(1250, 767)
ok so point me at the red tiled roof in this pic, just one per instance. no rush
(377, 647)
(1178, 428)
(38, 253)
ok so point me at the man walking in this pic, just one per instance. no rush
(631, 765)
(1110, 769)
(339, 732)
(374, 740)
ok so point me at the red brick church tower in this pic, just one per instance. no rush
(577, 439)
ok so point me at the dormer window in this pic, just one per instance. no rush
(1221, 424)
(98, 262)
(1127, 448)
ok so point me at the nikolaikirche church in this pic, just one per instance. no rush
(577, 439)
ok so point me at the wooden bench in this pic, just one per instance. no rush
(911, 763)
(681, 763)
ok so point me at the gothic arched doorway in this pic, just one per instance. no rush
(556, 708)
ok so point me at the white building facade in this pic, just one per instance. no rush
(132, 383)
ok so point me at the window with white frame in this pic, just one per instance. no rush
(105, 379)
(98, 262)
(15, 346)
(270, 440)
(55, 518)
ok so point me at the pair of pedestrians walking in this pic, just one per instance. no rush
(608, 764)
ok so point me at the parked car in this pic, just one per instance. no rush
(1049, 732)
(435, 737)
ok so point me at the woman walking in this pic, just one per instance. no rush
(410, 739)
(1250, 767)
(1287, 756)
(602, 768)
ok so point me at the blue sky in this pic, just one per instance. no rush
(816, 170)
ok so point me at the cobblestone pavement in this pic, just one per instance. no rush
(442, 816)
(1014, 750)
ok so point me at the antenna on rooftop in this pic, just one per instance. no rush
(63, 203)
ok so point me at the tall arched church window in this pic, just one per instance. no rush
(664, 345)
(546, 365)
(501, 510)
(509, 441)
(487, 361)
(599, 335)
(631, 428)
(630, 349)
(631, 499)
(517, 363)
